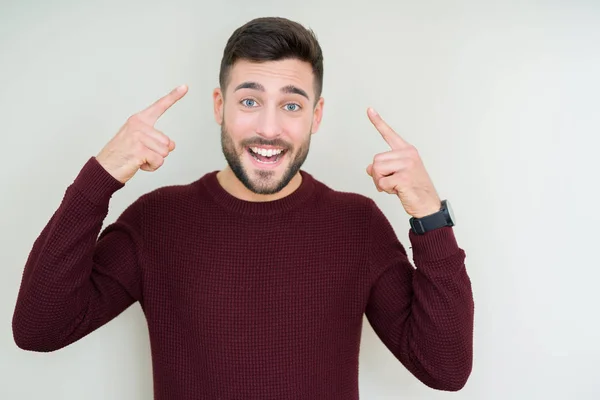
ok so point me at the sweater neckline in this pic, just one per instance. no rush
(230, 202)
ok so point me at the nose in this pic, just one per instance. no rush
(269, 123)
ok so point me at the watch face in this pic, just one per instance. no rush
(450, 211)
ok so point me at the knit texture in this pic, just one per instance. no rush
(248, 300)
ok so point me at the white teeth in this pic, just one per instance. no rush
(265, 152)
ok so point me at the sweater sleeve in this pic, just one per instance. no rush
(75, 280)
(423, 314)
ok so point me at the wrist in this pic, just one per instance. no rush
(442, 217)
(95, 183)
(425, 212)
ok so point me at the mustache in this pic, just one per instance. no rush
(258, 141)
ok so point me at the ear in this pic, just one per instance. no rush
(218, 105)
(317, 115)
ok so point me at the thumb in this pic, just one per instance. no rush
(370, 170)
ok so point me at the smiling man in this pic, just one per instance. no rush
(255, 279)
(267, 111)
(272, 110)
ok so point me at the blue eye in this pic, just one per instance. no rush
(297, 107)
(246, 101)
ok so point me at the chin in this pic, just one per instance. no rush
(266, 179)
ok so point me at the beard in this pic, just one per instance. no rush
(264, 181)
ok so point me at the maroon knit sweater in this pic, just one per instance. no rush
(248, 300)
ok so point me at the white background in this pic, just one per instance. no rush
(501, 99)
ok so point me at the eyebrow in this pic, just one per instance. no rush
(286, 89)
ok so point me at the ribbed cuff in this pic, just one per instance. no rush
(434, 245)
(95, 183)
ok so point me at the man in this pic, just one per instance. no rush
(254, 279)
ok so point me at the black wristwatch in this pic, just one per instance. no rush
(442, 218)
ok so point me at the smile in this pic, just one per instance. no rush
(266, 156)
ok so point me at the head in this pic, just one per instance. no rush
(269, 101)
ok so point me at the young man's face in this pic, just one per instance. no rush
(267, 115)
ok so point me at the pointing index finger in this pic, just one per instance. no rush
(391, 137)
(156, 110)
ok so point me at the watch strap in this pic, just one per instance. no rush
(431, 222)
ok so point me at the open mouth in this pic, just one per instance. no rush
(266, 156)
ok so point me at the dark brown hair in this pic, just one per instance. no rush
(273, 39)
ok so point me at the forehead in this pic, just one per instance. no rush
(273, 75)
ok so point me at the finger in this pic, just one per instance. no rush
(388, 184)
(153, 161)
(375, 182)
(383, 173)
(388, 155)
(375, 175)
(156, 110)
(157, 135)
(389, 167)
(154, 145)
(391, 137)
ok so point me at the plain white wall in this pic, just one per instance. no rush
(501, 98)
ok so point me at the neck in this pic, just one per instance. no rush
(232, 185)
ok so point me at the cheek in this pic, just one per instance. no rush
(299, 128)
(241, 118)
(240, 124)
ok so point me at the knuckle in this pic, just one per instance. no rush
(158, 162)
(131, 134)
(158, 133)
(163, 138)
(136, 133)
(134, 120)
(139, 148)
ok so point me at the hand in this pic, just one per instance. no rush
(401, 172)
(138, 145)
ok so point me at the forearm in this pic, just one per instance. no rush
(61, 293)
(424, 315)
(439, 337)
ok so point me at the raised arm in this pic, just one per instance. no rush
(76, 277)
(75, 281)
(423, 315)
